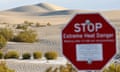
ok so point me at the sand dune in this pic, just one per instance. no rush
(55, 17)
(30, 8)
(32, 13)
(42, 7)
(49, 36)
(54, 20)
(45, 12)
(64, 12)
(113, 14)
(50, 7)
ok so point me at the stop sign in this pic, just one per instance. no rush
(89, 41)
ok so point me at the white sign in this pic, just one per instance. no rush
(89, 52)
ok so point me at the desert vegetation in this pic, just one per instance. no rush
(26, 56)
(7, 33)
(28, 36)
(24, 27)
(48, 24)
(4, 68)
(49, 36)
(113, 67)
(11, 55)
(37, 55)
(4, 23)
(28, 23)
(38, 24)
(51, 55)
(1, 54)
(65, 68)
(3, 41)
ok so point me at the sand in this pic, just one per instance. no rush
(49, 36)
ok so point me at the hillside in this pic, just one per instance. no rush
(41, 7)
(46, 12)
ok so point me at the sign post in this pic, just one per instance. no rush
(89, 41)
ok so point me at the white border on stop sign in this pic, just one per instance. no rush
(105, 18)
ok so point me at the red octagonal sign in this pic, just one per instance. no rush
(89, 41)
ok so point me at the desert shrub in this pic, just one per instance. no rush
(37, 55)
(26, 56)
(7, 33)
(4, 23)
(30, 23)
(27, 36)
(3, 41)
(11, 55)
(38, 24)
(26, 22)
(51, 55)
(24, 27)
(1, 54)
(42, 26)
(48, 24)
(4, 68)
(49, 69)
(66, 68)
(56, 70)
(112, 68)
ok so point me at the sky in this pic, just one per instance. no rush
(70, 4)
